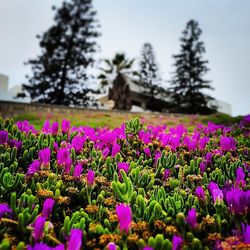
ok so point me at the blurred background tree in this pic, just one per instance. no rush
(149, 75)
(188, 82)
(60, 72)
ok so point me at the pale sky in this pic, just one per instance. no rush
(127, 24)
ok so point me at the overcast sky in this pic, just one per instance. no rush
(127, 24)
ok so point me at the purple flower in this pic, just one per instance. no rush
(3, 137)
(124, 217)
(17, 144)
(217, 196)
(246, 233)
(227, 143)
(177, 242)
(115, 149)
(65, 126)
(105, 152)
(44, 157)
(77, 170)
(166, 174)
(208, 157)
(202, 167)
(203, 142)
(246, 119)
(191, 218)
(46, 126)
(90, 177)
(48, 207)
(77, 143)
(199, 191)
(148, 248)
(63, 155)
(212, 185)
(237, 201)
(33, 168)
(147, 152)
(54, 128)
(240, 178)
(39, 228)
(67, 166)
(124, 166)
(4, 208)
(111, 246)
(75, 239)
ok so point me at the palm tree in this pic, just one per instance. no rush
(114, 77)
(118, 65)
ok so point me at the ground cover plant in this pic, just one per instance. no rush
(130, 187)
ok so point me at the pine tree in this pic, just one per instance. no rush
(149, 77)
(188, 83)
(60, 72)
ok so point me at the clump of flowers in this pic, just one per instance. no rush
(132, 187)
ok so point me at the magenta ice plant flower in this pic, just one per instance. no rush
(3, 137)
(90, 177)
(65, 126)
(54, 128)
(124, 166)
(202, 167)
(111, 246)
(240, 178)
(77, 170)
(48, 207)
(199, 191)
(44, 157)
(115, 149)
(46, 127)
(246, 233)
(227, 143)
(39, 228)
(63, 155)
(77, 143)
(124, 214)
(237, 201)
(148, 248)
(33, 168)
(177, 242)
(166, 174)
(4, 209)
(147, 151)
(75, 239)
(191, 217)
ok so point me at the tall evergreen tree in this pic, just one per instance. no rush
(59, 73)
(188, 83)
(149, 76)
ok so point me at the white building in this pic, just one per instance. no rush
(9, 94)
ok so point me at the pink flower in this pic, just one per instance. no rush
(147, 152)
(115, 149)
(75, 239)
(124, 166)
(4, 208)
(124, 217)
(111, 246)
(90, 177)
(39, 228)
(44, 157)
(48, 207)
(77, 170)
(191, 218)
(65, 126)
